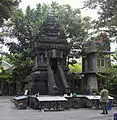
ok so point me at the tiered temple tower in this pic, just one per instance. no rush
(50, 52)
(94, 61)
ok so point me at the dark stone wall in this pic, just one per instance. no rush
(38, 83)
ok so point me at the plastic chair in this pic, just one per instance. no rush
(110, 105)
(115, 116)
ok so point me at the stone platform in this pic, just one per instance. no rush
(48, 103)
(58, 103)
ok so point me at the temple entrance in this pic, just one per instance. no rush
(57, 75)
(53, 63)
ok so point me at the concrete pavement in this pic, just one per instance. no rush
(9, 112)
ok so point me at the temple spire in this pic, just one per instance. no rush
(50, 26)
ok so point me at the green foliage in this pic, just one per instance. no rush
(27, 26)
(22, 66)
(5, 77)
(112, 79)
(27, 29)
(7, 8)
(107, 10)
(20, 73)
(111, 75)
(75, 68)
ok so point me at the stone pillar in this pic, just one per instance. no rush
(84, 84)
(36, 61)
(53, 53)
(92, 83)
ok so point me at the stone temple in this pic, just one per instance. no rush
(50, 52)
(96, 57)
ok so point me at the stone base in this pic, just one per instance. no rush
(89, 84)
(38, 83)
(92, 83)
(48, 103)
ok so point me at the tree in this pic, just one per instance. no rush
(4, 77)
(107, 11)
(7, 9)
(75, 68)
(27, 25)
(111, 77)
(27, 28)
(22, 67)
(110, 74)
(112, 70)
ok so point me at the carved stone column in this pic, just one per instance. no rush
(92, 83)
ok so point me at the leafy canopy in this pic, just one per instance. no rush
(111, 74)
(7, 9)
(75, 68)
(27, 26)
(107, 11)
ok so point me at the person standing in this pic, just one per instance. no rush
(104, 100)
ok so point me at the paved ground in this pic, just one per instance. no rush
(9, 112)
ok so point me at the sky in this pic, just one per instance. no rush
(33, 3)
(72, 3)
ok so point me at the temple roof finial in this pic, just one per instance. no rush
(50, 13)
